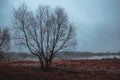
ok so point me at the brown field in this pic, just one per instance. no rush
(108, 69)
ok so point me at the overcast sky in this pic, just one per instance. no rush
(97, 22)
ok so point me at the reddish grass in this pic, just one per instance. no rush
(63, 70)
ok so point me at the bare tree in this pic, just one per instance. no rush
(4, 41)
(45, 33)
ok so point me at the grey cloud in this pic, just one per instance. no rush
(97, 22)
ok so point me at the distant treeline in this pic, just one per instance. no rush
(60, 54)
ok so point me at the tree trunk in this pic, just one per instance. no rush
(44, 64)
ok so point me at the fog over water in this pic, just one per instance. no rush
(97, 22)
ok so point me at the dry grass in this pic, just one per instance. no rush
(63, 70)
